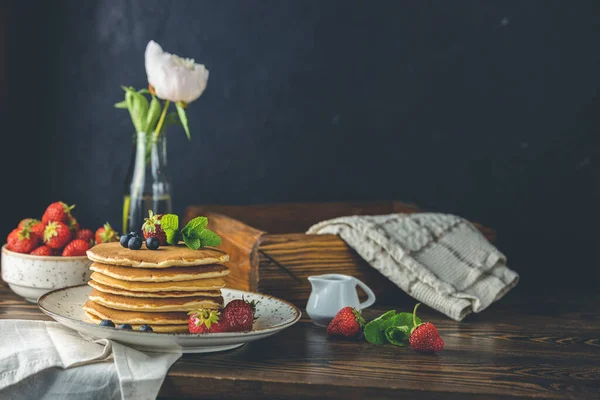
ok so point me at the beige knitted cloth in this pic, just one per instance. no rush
(441, 260)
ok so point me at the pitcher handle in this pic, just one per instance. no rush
(370, 295)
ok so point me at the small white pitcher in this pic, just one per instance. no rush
(332, 292)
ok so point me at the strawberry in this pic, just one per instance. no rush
(35, 225)
(13, 236)
(23, 240)
(205, 321)
(57, 235)
(106, 234)
(76, 247)
(43, 251)
(73, 224)
(348, 323)
(425, 337)
(85, 234)
(152, 228)
(58, 211)
(239, 315)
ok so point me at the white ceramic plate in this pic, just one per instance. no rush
(273, 315)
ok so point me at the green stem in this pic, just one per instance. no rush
(415, 315)
(161, 120)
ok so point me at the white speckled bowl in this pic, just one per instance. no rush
(32, 276)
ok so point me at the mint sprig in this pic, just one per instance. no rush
(194, 234)
(391, 327)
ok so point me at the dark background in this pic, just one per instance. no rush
(485, 109)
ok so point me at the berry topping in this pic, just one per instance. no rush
(107, 322)
(152, 243)
(135, 243)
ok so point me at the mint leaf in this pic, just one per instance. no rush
(173, 236)
(121, 104)
(192, 242)
(169, 221)
(374, 334)
(403, 319)
(196, 225)
(375, 330)
(183, 119)
(397, 335)
(209, 238)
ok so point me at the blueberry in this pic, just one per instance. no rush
(125, 240)
(124, 327)
(135, 243)
(152, 243)
(145, 328)
(107, 322)
(133, 234)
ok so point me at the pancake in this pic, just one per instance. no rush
(197, 285)
(135, 318)
(125, 303)
(166, 256)
(121, 292)
(155, 328)
(161, 274)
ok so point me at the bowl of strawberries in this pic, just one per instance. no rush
(50, 253)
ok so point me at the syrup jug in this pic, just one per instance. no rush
(332, 292)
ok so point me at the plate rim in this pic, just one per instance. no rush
(254, 332)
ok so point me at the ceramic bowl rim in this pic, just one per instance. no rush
(5, 250)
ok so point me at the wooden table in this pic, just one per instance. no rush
(522, 347)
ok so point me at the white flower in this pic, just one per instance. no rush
(174, 78)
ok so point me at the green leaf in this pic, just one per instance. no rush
(138, 108)
(375, 330)
(209, 238)
(196, 225)
(143, 91)
(183, 119)
(397, 335)
(403, 319)
(374, 334)
(121, 104)
(192, 242)
(169, 221)
(153, 115)
(173, 236)
(171, 119)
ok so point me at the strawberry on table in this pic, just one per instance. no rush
(43, 251)
(153, 228)
(76, 247)
(57, 235)
(57, 211)
(35, 225)
(239, 315)
(425, 337)
(106, 234)
(85, 234)
(205, 321)
(23, 240)
(347, 323)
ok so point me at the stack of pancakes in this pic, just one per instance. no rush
(154, 287)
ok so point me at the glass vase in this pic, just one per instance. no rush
(147, 186)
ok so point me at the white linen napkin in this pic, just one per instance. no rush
(45, 360)
(441, 260)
